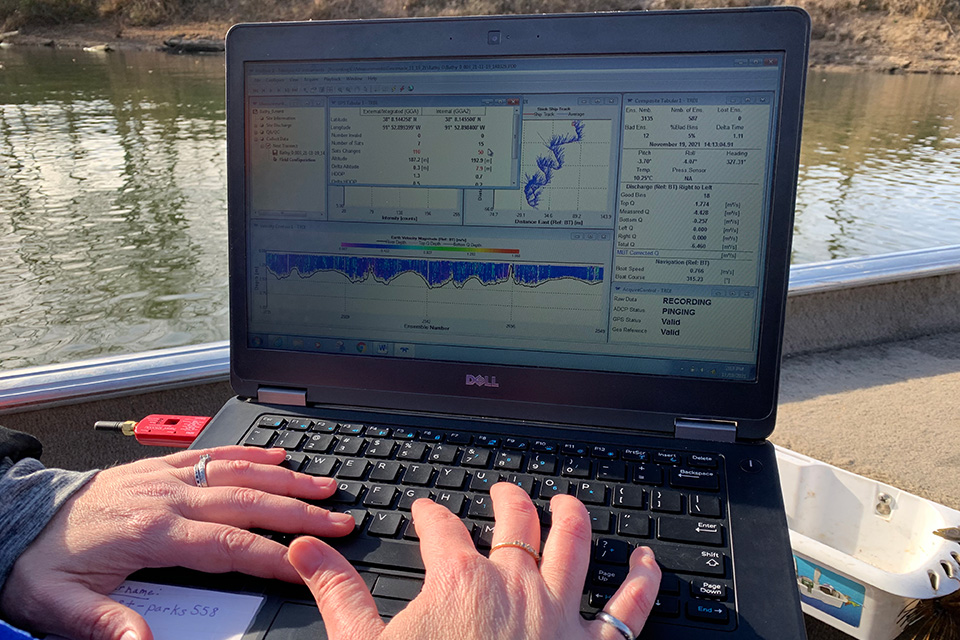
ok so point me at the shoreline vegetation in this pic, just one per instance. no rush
(891, 36)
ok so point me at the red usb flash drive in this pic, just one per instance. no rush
(160, 430)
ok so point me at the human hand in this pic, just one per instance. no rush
(468, 596)
(151, 513)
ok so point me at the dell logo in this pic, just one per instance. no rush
(482, 381)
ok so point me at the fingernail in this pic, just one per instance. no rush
(129, 634)
(343, 518)
(307, 559)
(644, 554)
(324, 483)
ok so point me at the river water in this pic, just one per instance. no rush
(113, 208)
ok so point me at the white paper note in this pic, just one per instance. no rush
(181, 613)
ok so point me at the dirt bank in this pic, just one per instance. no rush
(855, 40)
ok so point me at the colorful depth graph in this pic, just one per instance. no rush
(473, 296)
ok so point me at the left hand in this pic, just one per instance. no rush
(151, 514)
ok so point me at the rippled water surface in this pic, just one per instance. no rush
(113, 204)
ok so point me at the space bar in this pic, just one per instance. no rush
(379, 552)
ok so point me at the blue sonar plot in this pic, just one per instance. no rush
(435, 273)
(547, 164)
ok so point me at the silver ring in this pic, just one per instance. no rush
(617, 623)
(200, 471)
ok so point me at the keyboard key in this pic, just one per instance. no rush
(410, 495)
(543, 446)
(704, 460)
(488, 441)
(598, 598)
(692, 560)
(633, 525)
(351, 429)
(665, 501)
(353, 469)
(611, 470)
(289, 440)
(483, 480)
(376, 432)
(690, 530)
(636, 455)
(666, 607)
(458, 438)
(599, 520)
(508, 461)
(293, 461)
(483, 536)
(576, 467)
(574, 450)
(451, 478)
(418, 474)
(543, 463)
(628, 497)
(515, 444)
(522, 481)
(320, 465)
(550, 487)
(324, 426)
(430, 436)
(611, 577)
(378, 552)
(648, 474)
(349, 446)
(404, 434)
(259, 437)
(359, 517)
(592, 492)
(347, 493)
(710, 589)
(452, 501)
(443, 454)
(380, 496)
(603, 451)
(318, 443)
(396, 587)
(385, 471)
(708, 612)
(299, 424)
(475, 457)
(481, 507)
(665, 457)
(669, 584)
(412, 451)
(379, 448)
(385, 524)
(705, 506)
(271, 422)
(694, 479)
(610, 551)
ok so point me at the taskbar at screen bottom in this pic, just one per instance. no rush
(735, 371)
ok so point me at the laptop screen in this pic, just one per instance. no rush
(603, 213)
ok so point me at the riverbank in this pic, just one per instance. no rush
(843, 38)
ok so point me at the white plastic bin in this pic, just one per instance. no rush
(863, 549)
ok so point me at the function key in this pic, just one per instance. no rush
(571, 449)
(431, 436)
(324, 426)
(488, 441)
(402, 433)
(543, 446)
(376, 432)
(299, 424)
(704, 460)
(665, 457)
(458, 438)
(352, 429)
(603, 451)
(636, 455)
(515, 444)
(271, 422)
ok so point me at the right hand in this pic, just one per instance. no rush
(470, 597)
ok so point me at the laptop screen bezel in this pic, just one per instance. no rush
(631, 401)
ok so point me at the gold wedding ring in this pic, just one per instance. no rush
(519, 544)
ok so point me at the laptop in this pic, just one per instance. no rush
(551, 250)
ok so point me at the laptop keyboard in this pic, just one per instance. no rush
(671, 501)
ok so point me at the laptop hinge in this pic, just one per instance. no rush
(716, 430)
(279, 395)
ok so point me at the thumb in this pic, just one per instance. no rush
(92, 616)
(346, 606)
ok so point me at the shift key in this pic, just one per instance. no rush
(690, 530)
(705, 562)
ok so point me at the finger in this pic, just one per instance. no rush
(265, 477)
(442, 534)
(516, 520)
(566, 553)
(87, 615)
(345, 604)
(253, 454)
(220, 548)
(251, 508)
(634, 600)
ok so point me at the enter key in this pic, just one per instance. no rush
(690, 530)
